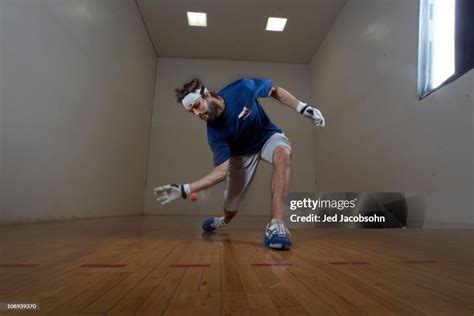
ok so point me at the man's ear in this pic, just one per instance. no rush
(206, 95)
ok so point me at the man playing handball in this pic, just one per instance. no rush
(240, 134)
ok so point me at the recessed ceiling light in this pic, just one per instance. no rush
(276, 24)
(197, 19)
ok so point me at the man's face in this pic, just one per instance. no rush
(205, 108)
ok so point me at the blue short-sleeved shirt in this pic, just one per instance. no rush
(243, 127)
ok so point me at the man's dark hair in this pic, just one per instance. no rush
(187, 88)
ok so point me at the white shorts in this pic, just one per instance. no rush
(242, 169)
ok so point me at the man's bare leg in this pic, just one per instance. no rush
(228, 216)
(280, 180)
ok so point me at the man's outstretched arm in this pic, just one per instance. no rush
(285, 97)
(214, 177)
(171, 192)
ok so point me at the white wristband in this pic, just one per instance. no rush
(300, 107)
(187, 189)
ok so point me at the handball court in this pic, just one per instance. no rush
(90, 125)
(165, 265)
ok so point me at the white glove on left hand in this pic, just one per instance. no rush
(311, 113)
(171, 192)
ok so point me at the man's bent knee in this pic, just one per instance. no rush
(281, 156)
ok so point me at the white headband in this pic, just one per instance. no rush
(192, 97)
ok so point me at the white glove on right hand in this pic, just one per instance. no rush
(171, 192)
(311, 113)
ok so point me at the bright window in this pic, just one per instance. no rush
(436, 47)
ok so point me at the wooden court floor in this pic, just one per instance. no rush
(155, 265)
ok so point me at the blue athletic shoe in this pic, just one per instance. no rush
(277, 236)
(212, 223)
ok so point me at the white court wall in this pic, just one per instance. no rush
(379, 137)
(77, 82)
(179, 152)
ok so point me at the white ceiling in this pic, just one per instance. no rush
(236, 29)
